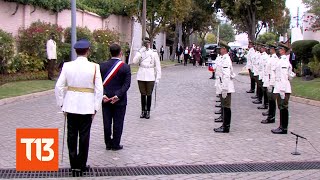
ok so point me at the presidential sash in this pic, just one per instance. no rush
(112, 72)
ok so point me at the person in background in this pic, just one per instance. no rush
(51, 48)
(186, 56)
(161, 53)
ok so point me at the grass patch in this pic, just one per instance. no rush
(306, 89)
(19, 88)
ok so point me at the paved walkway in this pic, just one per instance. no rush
(180, 130)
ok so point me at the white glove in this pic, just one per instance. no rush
(282, 95)
(224, 94)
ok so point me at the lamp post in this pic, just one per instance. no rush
(73, 28)
(144, 18)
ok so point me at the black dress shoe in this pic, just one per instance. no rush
(86, 168)
(218, 105)
(263, 107)
(250, 91)
(76, 172)
(221, 129)
(147, 115)
(254, 97)
(279, 130)
(265, 113)
(218, 112)
(268, 120)
(211, 78)
(218, 100)
(143, 114)
(257, 102)
(219, 119)
(117, 148)
(108, 146)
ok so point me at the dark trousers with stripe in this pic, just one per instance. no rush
(78, 126)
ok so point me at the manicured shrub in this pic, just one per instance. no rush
(6, 50)
(303, 50)
(82, 33)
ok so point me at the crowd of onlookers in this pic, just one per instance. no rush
(194, 55)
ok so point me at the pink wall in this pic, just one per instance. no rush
(24, 17)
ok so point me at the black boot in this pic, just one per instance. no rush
(219, 119)
(264, 106)
(218, 112)
(282, 129)
(265, 113)
(225, 128)
(147, 114)
(143, 106)
(258, 101)
(149, 98)
(269, 120)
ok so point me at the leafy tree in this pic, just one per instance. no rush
(251, 16)
(226, 32)
(199, 19)
(211, 38)
(314, 6)
(267, 38)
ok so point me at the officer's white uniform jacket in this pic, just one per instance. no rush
(79, 74)
(51, 49)
(218, 71)
(256, 63)
(270, 71)
(283, 72)
(227, 74)
(262, 65)
(250, 58)
(149, 65)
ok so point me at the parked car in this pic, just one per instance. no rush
(211, 52)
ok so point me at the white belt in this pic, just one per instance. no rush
(146, 66)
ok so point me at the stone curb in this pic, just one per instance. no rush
(305, 101)
(25, 97)
(43, 93)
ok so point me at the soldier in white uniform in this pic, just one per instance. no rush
(269, 82)
(249, 66)
(79, 92)
(256, 64)
(218, 69)
(282, 88)
(148, 74)
(227, 87)
(51, 48)
(262, 66)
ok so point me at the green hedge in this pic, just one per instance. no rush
(303, 50)
(101, 7)
(6, 50)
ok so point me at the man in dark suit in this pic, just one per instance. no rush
(116, 77)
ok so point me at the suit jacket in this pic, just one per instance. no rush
(119, 84)
(79, 74)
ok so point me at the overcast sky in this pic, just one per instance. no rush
(293, 6)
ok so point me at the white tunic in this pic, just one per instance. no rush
(80, 74)
(149, 65)
(51, 49)
(283, 72)
(262, 65)
(255, 63)
(218, 72)
(271, 66)
(250, 58)
(227, 74)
